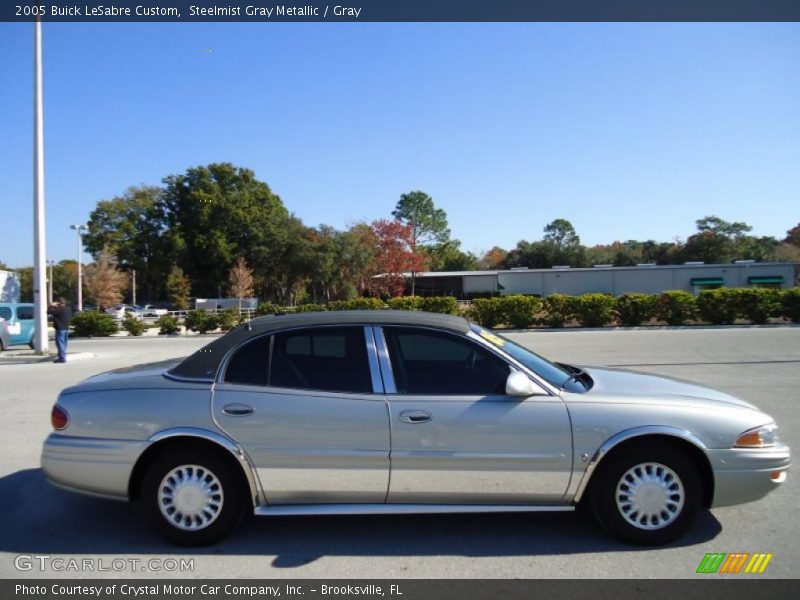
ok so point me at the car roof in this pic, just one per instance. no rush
(204, 363)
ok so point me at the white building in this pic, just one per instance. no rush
(652, 279)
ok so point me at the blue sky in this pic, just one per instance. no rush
(627, 130)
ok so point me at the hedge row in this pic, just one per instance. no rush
(676, 307)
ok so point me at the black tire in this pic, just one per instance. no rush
(613, 501)
(202, 464)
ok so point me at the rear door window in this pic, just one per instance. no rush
(250, 363)
(24, 313)
(332, 359)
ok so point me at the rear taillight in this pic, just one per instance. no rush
(59, 418)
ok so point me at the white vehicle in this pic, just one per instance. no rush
(150, 310)
(121, 310)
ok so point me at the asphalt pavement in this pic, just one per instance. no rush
(761, 365)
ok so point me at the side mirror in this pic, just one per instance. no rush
(519, 384)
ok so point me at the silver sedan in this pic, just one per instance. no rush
(404, 412)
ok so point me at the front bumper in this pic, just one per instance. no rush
(95, 466)
(746, 474)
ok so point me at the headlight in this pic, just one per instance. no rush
(759, 437)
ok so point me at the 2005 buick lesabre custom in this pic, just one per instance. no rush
(404, 412)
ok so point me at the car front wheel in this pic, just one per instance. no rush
(648, 494)
(192, 497)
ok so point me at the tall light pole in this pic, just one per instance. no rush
(40, 340)
(50, 264)
(78, 229)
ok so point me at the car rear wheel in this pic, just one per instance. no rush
(647, 494)
(192, 496)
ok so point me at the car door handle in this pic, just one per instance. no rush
(238, 410)
(415, 416)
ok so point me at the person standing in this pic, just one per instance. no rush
(62, 317)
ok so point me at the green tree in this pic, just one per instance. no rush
(219, 212)
(428, 224)
(562, 234)
(716, 240)
(448, 256)
(133, 228)
(793, 236)
(25, 275)
(179, 288)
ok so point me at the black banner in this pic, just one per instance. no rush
(413, 589)
(400, 10)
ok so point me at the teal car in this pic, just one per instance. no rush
(19, 317)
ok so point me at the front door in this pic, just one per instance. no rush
(303, 405)
(457, 438)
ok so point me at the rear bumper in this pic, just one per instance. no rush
(743, 475)
(95, 466)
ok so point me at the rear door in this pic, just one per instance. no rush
(457, 438)
(308, 407)
(26, 324)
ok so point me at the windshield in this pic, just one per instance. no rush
(552, 373)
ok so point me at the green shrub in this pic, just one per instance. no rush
(633, 309)
(309, 308)
(758, 305)
(406, 303)
(446, 305)
(357, 304)
(133, 325)
(487, 312)
(594, 309)
(558, 308)
(520, 311)
(201, 321)
(93, 324)
(790, 304)
(228, 319)
(269, 308)
(676, 307)
(717, 306)
(168, 325)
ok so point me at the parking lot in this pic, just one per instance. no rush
(759, 364)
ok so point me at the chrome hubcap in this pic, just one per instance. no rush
(190, 497)
(650, 496)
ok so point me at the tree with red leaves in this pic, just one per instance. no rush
(394, 256)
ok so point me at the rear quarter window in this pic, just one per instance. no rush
(25, 313)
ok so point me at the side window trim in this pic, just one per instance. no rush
(372, 356)
(269, 358)
(387, 375)
(386, 363)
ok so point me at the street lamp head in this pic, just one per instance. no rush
(78, 227)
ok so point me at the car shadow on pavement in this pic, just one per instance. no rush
(36, 517)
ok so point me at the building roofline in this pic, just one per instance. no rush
(430, 274)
